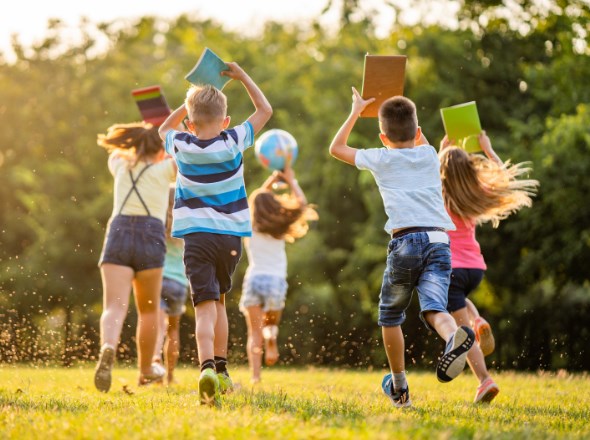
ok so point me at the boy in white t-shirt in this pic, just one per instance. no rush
(406, 171)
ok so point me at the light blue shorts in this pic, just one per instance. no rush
(174, 295)
(266, 291)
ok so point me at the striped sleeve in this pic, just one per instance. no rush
(169, 144)
(243, 135)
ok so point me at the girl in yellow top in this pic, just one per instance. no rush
(135, 244)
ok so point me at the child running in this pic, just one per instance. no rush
(135, 244)
(477, 189)
(406, 171)
(172, 304)
(211, 212)
(275, 220)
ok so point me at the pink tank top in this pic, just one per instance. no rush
(465, 250)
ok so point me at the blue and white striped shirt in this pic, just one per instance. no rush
(210, 190)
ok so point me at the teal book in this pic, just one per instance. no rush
(462, 124)
(208, 70)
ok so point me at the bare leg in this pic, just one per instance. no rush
(221, 329)
(472, 311)
(254, 320)
(172, 346)
(206, 319)
(162, 329)
(475, 357)
(147, 287)
(442, 322)
(393, 340)
(271, 348)
(116, 281)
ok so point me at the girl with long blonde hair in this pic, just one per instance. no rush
(477, 189)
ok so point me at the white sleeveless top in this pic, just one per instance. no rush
(266, 255)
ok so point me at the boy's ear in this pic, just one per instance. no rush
(418, 134)
(384, 139)
(190, 125)
(226, 122)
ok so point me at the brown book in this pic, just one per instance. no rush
(383, 78)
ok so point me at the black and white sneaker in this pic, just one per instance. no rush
(453, 360)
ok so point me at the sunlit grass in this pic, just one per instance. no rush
(289, 403)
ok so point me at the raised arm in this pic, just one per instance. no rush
(445, 142)
(486, 146)
(274, 177)
(172, 121)
(288, 175)
(263, 108)
(339, 147)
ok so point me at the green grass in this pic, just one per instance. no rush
(48, 403)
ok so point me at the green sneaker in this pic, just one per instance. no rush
(226, 385)
(209, 388)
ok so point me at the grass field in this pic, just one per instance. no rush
(57, 403)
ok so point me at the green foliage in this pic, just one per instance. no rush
(527, 74)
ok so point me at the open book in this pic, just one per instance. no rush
(152, 104)
(383, 78)
(462, 125)
(208, 70)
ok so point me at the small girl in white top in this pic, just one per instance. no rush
(275, 220)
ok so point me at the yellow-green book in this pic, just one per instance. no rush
(462, 125)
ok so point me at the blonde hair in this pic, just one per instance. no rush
(205, 104)
(136, 141)
(281, 216)
(479, 189)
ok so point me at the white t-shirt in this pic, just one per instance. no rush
(410, 185)
(266, 255)
(153, 185)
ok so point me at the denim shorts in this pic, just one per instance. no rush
(267, 291)
(463, 282)
(174, 296)
(210, 261)
(420, 260)
(135, 241)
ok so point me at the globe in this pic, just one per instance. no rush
(274, 147)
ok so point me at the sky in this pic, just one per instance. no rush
(28, 19)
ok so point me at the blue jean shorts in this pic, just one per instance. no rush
(420, 260)
(463, 282)
(267, 291)
(174, 295)
(135, 241)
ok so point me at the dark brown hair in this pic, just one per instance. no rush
(137, 140)
(280, 216)
(398, 120)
